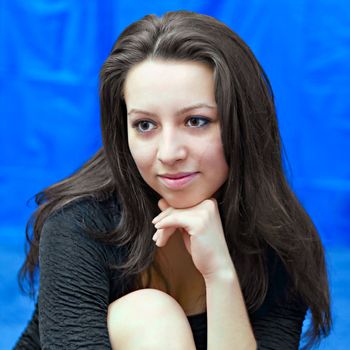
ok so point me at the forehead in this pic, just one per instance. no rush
(158, 82)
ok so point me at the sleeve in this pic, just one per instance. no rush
(278, 323)
(74, 288)
(280, 328)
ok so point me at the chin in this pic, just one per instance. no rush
(183, 202)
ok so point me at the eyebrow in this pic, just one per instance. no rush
(179, 112)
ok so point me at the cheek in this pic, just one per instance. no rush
(218, 162)
(142, 154)
(212, 155)
(215, 166)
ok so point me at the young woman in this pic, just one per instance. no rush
(181, 232)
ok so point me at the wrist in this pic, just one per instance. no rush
(227, 275)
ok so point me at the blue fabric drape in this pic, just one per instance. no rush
(51, 52)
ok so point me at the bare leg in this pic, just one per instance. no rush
(148, 319)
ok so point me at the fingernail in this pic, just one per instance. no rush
(155, 236)
(154, 219)
(157, 225)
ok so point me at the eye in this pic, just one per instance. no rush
(197, 122)
(143, 126)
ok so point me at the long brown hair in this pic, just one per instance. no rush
(259, 210)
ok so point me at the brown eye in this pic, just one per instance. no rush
(143, 126)
(197, 122)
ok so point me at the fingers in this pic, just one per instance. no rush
(176, 218)
(167, 209)
(162, 236)
(164, 207)
(162, 204)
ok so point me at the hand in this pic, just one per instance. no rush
(202, 232)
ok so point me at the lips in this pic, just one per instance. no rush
(177, 181)
(177, 175)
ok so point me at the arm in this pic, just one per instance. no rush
(281, 328)
(201, 227)
(74, 288)
(228, 323)
(277, 325)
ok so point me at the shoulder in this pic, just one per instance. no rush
(85, 214)
(78, 224)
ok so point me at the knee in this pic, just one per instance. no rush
(152, 302)
(149, 317)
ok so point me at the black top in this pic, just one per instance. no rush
(77, 285)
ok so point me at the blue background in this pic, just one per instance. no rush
(50, 56)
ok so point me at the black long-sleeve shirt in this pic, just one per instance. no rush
(77, 285)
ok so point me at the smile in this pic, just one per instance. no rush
(178, 182)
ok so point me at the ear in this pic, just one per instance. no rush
(163, 205)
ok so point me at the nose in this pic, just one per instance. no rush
(172, 147)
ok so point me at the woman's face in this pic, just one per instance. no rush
(174, 130)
